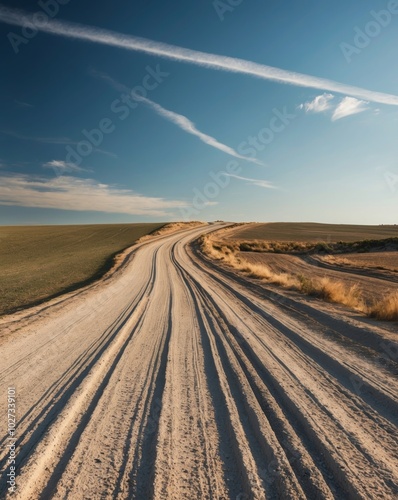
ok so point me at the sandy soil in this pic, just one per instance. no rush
(176, 379)
(371, 261)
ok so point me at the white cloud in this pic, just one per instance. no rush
(349, 106)
(324, 102)
(224, 63)
(71, 193)
(320, 104)
(254, 182)
(61, 167)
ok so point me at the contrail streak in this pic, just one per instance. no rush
(110, 38)
(255, 182)
(185, 124)
(181, 121)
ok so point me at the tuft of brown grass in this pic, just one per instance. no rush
(339, 292)
(386, 308)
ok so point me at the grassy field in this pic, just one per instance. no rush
(312, 232)
(39, 262)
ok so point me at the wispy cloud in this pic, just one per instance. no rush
(52, 140)
(181, 121)
(254, 182)
(110, 38)
(61, 167)
(71, 193)
(319, 104)
(45, 140)
(22, 104)
(120, 87)
(349, 106)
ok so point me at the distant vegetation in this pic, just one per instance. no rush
(39, 262)
(302, 247)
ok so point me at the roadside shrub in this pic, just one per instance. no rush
(386, 308)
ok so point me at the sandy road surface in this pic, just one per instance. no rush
(174, 379)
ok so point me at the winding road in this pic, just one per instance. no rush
(174, 378)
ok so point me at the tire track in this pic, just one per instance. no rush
(187, 441)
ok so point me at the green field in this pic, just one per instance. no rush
(313, 232)
(39, 262)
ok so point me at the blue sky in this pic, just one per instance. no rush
(190, 134)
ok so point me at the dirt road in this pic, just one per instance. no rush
(174, 379)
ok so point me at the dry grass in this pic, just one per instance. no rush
(332, 290)
(327, 289)
(228, 255)
(278, 246)
(300, 247)
(385, 309)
